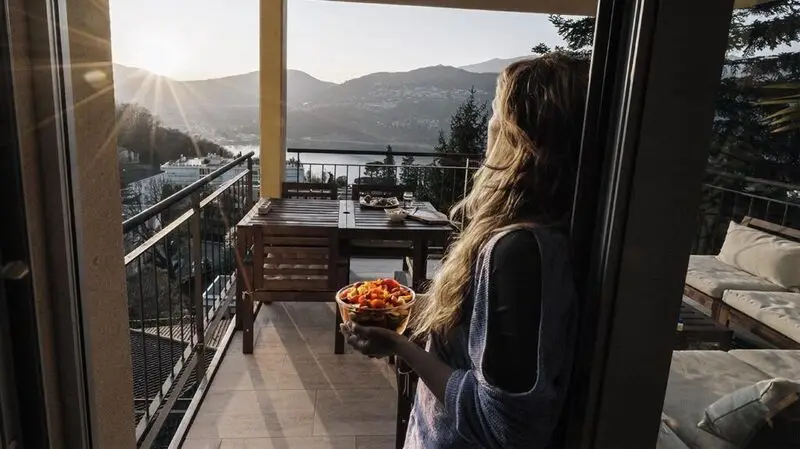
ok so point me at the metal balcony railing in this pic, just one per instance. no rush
(180, 278)
(732, 197)
(442, 179)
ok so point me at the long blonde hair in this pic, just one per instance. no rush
(528, 174)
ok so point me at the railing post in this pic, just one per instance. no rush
(249, 184)
(466, 178)
(197, 286)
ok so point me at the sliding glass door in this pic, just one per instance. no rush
(653, 82)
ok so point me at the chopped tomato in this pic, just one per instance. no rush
(378, 294)
(377, 304)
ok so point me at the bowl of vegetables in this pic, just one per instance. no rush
(380, 303)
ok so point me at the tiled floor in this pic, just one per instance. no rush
(293, 392)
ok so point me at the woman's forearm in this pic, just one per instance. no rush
(430, 369)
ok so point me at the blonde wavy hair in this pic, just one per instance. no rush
(528, 173)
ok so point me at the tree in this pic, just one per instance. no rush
(409, 174)
(467, 137)
(374, 170)
(389, 171)
(143, 133)
(762, 52)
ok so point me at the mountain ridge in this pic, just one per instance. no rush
(405, 109)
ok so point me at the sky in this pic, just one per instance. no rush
(333, 41)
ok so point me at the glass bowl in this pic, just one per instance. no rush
(394, 318)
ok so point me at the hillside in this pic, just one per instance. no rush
(495, 65)
(405, 109)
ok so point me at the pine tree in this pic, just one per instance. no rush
(762, 60)
(409, 174)
(468, 128)
(389, 171)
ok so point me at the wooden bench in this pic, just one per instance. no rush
(379, 190)
(309, 190)
(731, 317)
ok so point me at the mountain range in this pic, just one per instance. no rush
(404, 109)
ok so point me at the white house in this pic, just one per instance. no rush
(185, 171)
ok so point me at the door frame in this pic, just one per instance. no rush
(644, 153)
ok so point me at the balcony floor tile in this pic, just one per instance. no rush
(294, 392)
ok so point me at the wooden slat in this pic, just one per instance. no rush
(285, 241)
(296, 252)
(258, 258)
(772, 228)
(295, 258)
(298, 285)
(295, 296)
(309, 190)
(333, 266)
(295, 271)
(376, 190)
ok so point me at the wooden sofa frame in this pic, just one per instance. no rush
(729, 316)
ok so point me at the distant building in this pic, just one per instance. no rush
(184, 171)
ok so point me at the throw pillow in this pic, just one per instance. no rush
(764, 255)
(738, 416)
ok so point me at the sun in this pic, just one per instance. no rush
(161, 55)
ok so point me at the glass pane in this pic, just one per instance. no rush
(741, 293)
(187, 93)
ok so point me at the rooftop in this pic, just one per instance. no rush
(212, 160)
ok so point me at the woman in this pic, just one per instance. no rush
(500, 317)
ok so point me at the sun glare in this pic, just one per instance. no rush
(160, 55)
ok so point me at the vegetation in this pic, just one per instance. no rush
(143, 133)
(467, 136)
(787, 118)
(762, 55)
(756, 129)
(409, 174)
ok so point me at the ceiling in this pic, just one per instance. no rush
(571, 7)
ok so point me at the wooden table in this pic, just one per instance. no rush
(357, 223)
(700, 331)
(346, 220)
(352, 223)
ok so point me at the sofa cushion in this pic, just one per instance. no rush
(778, 310)
(774, 362)
(696, 380)
(764, 255)
(667, 439)
(712, 277)
(738, 416)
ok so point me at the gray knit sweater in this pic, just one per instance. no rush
(476, 414)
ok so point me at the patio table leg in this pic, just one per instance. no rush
(420, 262)
(338, 344)
(241, 251)
(247, 324)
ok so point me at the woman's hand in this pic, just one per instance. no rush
(371, 341)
